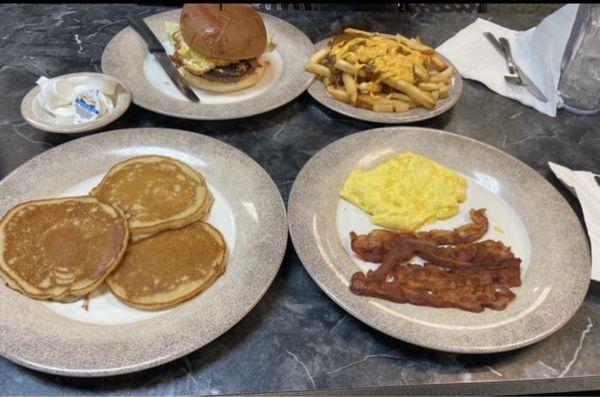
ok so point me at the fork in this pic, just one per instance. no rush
(503, 47)
(513, 75)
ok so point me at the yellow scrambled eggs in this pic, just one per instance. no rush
(406, 192)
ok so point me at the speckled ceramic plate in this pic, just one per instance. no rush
(126, 57)
(317, 90)
(524, 210)
(112, 338)
(38, 117)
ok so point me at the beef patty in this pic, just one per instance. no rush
(233, 72)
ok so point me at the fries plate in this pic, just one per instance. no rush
(318, 91)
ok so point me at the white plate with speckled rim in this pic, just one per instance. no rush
(112, 338)
(126, 57)
(522, 208)
(317, 91)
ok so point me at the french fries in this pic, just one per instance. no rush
(415, 45)
(349, 68)
(395, 75)
(317, 69)
(383, 108)
(442, 76)
(421, 73)
(437, 62)
(420, 97)
(350, 86)
(429, 86)
(338, 94)
(357, 31)
(319, 56)
(443, 89)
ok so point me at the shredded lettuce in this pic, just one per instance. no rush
(171, 27)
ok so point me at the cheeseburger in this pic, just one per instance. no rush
(217, 46)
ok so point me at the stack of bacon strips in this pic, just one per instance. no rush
(459, 272)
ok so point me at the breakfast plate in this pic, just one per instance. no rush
(127, 58)
(110, 337)
(522, 209)
(317, 91)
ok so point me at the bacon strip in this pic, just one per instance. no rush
(467, 257)
(463, 274)
(471, 297)
(372, 247)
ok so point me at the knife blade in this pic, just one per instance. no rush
(495, 43)
(536, 92)
(156, 48)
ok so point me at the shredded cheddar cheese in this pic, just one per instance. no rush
(387, 56)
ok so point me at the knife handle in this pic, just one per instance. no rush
(507, 52)
(138, 24)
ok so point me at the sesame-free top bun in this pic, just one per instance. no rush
(236, 32)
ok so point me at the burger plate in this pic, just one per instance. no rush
(126, 57)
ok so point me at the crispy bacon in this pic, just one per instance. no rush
(465, 256)
(372, 247)
(461, 235)
(463, 274)
(448, 288)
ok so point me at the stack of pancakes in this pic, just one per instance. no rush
(141, 230)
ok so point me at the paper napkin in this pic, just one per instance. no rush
(587, 190)
(537, 51)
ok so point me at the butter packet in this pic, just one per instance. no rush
(90, 103)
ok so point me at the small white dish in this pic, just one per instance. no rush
(36, 114)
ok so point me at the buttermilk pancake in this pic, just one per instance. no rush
(61, 249)
(169, 267)
(156, 193)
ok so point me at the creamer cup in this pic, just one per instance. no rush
(56, 92)
(65, 114)
(108, 87)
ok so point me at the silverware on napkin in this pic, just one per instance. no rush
(515, 75)
(156, 48)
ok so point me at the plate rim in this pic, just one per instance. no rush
(199, 116)
(278, 256)
(294, 225)
(386, 118)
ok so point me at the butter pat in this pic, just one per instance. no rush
(90, 103)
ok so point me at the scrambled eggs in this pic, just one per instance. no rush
(406, 192)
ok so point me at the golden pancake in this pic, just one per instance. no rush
(202, 213)
(61, 249)
(170, 267)
(156, 193)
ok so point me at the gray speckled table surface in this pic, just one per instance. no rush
(297, 339)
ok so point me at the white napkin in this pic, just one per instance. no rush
(585, 188)
(537, 51)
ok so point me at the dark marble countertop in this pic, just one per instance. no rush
(297, 339)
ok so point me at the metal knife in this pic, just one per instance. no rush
(503, 47)
(156, 48)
